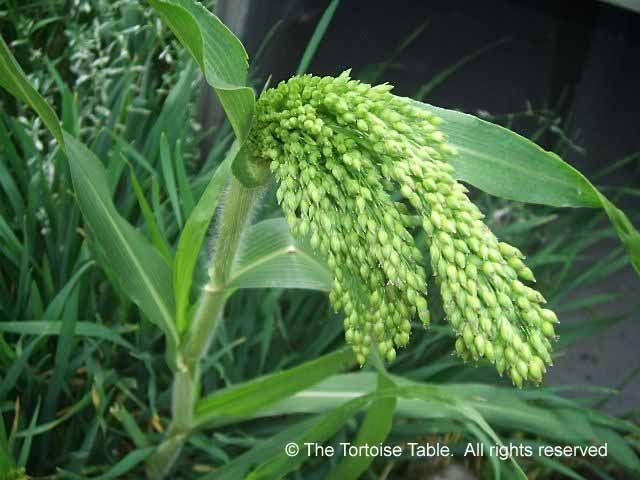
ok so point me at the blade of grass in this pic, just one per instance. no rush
(246, 398)
(438, 79)
(25, 449)
(169, 178)
(374, 430)
(324, 428)
(317, 36)
(83, 329)
(186, 194)
(157, 237)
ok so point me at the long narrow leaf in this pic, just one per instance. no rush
(193, 235)
(170, 178)
(13, 79)
(140, 269)
(373, 431)
(323, 429)
(316, 38)
(246, 398)
(83, 329)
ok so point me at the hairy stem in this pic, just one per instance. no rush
(232, 222)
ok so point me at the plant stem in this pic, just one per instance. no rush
(233, 220)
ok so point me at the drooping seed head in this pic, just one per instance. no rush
(339, 150)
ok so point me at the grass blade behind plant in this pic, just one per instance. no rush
(128, 463)
(316, 38)
(83, 329)
(186, 194)
(170, 178)
(264, 450)
(157, 237)
(174, 115)
(11, 376)
(324, 428)
(442, 76)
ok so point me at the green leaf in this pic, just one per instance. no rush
(272, 258)
(264, 450)
(373, 431)
(186, 194)
(618, 449)
(323, 429)
(170, 178)
(157, 237)
(143, 274)
(28, 438)
(128, 463)
(7, 463)
(246, 398)
(223, 60)
(49, 327)
(193, 235)
(129, 424)
(11, 375)
(13, 79)
(505, 164)
(219, 53)
(68, 413)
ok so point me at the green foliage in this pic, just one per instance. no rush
(272, 258)
(375, 428)
(82, 373)
(138, 267)
(14, 81)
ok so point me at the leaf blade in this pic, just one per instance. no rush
(145, 276)
(505, 164)
(243, 399)
(219, 53)
(13, 79)
(272, 258)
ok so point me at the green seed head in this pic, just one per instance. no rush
(339, 150)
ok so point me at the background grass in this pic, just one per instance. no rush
(85, 390)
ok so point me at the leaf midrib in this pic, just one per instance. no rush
(265, 258)
(149, 286)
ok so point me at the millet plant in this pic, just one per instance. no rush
(360, 174)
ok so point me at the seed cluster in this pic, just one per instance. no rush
(359, 170)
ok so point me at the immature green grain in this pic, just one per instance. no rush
(340, 149)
